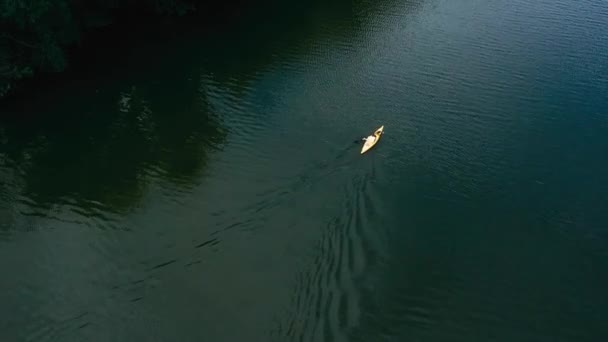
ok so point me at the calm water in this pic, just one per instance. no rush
(207, 187)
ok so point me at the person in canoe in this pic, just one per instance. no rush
(373, 137)
(370, 138)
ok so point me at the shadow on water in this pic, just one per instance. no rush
(100, 135)
(102, 139)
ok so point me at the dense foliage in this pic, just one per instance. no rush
(34, 34)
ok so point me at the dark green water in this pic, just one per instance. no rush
(206, 187)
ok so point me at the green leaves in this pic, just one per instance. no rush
(49, 56)
(28, 41)
(9, 74)
(23, 13)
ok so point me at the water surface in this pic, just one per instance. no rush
(208, 187)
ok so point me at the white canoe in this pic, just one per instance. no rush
(372, 140)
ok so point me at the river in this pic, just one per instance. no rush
(209, 187)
